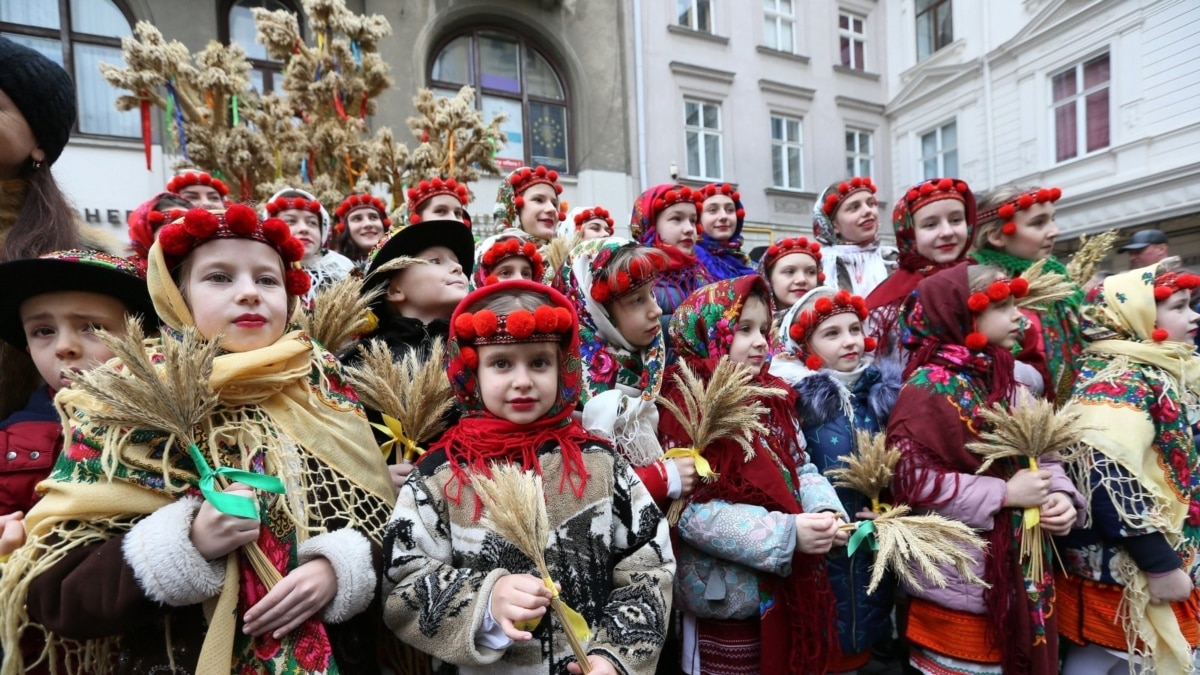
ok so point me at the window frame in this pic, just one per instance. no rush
(1079, 98)
(704, 132)
(780, 17)
(272, 71)
(852, 36)
(68, 38)
(941, 151)
(933, 12)
(782, 145)
(694, 14)
(857, 155)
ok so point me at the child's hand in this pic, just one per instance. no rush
(1175, 586)
(687, 475)
(12, 532)
(599, 665)
(215, 534)
(518, 597)
(815, 532)
(399, 473)
(1027, 488)
(303, 592)
(1058, 514)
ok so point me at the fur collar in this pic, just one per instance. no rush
(821, 397)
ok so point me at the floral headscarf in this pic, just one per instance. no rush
(724, 259)
(702, 327)
(507, 212)
(685, 273)
(864, 262)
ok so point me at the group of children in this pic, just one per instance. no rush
(137, 552)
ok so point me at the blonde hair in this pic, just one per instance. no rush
(504, 302)
(623, 258)
(988, 201)
(979, 277)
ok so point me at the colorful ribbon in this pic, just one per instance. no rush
(233, 505)
(233, 103)
(391, 426)
(145, 110)
(1032, 515)
(703, 468)
(575, 621)
(864, 532)
(171, 96)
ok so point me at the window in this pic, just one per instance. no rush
(787, 147)
(1080, 107)
(513, 77)
(695, 14)
(935, 26)
(702, 122)
(779, 22)
(939, 151)
(858, 153)
(78, 35)
(853, 41)
(240, 29)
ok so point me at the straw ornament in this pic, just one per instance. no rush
(1092, 250)
(869, 469)
(341, 313)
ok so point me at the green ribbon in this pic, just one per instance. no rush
(233, 505)
(864, 532)
(234, 104)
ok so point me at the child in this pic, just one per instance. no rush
(508, 255)
(52, 308)
(309, 222)
(846, 223)
(528, 200)
(610, 283)
(934, 222)
(200, 189)
(840, 390)
(593, 223)
(437, 199)
(1016, 229)
(792, 267)
(750, 545)
(664, 217)
(456, 590)
(362, 220)
(124, 555)
(721, 220)
(961, 330)
(1136, 392)
(147, 219)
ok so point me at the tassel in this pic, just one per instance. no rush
(337, 105)
(171, 96)
(146, 130)
(356, 50)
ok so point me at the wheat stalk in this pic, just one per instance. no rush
(723, 409)
(555, 254)
(1092, 251)
(174, 397)
(869, 469)
(514, 507)
(1045, 288)
(340, 313)
(926, 543)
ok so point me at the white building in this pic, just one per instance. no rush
(1098, 97)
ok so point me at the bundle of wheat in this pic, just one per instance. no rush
(340, 313)
(906, 543)
(1045, 288)
(869, 469)
(1091, 251)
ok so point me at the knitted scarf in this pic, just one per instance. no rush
(797, 610)
(685, 273)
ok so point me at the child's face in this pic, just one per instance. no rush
(940, 230)
(718, 218)
(1035, 235)
(751, 335)
(676, 226)
(429, 291)
(839, 342)
(539, 215)
(441, 207)
(61, 331)
(1000, 323)
(202, 196)
(306, 226)
(513, 268)
(1175, 316)
(857, 219)
(596, 228)
(235, 288)
(636, 316)
(519, 382)
(366, 228)
(791, 277)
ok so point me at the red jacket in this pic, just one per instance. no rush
(30, 441)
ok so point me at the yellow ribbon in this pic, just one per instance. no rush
(395, 430)
(703, 468)
(880, 507)
(1033, 514)
(575, 621)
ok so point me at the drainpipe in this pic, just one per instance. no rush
(639, 78)
(987, 99)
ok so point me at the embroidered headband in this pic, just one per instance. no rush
(1166, 285)
(807, 322)
(1008, 210)
(355, 201)
(512, 247)
(183, 180)
(844, 190)
(642, 271)
(934, 190)
(545, 324)
(978, 302)
(428, 189)
(681, 195)
(597, 213)
(785, 247)
(712, 190)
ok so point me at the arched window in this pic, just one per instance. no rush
(238, 28)
(511, 76)
(78, 35)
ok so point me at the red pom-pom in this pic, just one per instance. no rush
(814, 362)
(773, 250)
(563, 319)
(926, 189)
(1020, 287)
(1008, 229)
(976, 341)
(413, 193)
(241, 218)
(291, 251)
(529, 249)
(797, 332)
(485, 323)
(869, 344)
(200, 223)
(1043, 195)
(945, 184)
(843, 187)
(1159, 335)
(490, 279)
(1007, 211)
(540, 170)
(155, 218)
(1024, 201)
(622, 282)
(276, 231)
(175, 241)
(741, 214)
(1162, 293)
(520, 323)
(413, 220)
(600, 292)
(823, 305)
(960, 187)
(1055, 194)
(464, 326)
(998, 290)
(978, 302)
(912, 194)
(856, 182)
(545, 320)
(842, 297)
(469, 356)
(298, 282)
(820, 277)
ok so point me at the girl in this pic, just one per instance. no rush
(664, 217)
(437, 199)
(841, 390)
(458, 591)
(200, 189)
(593, 223)
(962, 329)
(505, 256)
(934, 222)
(528, 200)
(792, 267)
(1137, 390)
(610, 283)
(362, 220)
(752, 583)
(721, 220)
(309, 222)
(124, 553)
(147, 219)
(1016, 229)
(846, 222)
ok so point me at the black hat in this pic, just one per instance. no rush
(1143, 238)
(75, 270)
(42, 91)
(410, 240)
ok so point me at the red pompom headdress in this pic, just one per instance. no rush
(428, 189)
(1006, 211)
(524, 178)
(642, 270)
(933, 190)
(997, 291)
(1166, 285)
(510, 247)
(785, 247)
(714, 189)
(680, 195)
(178, 183)
(359, 200)
(547, 323)
(807, 322)
(595, 213)
(281, 204)
(844, 189)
